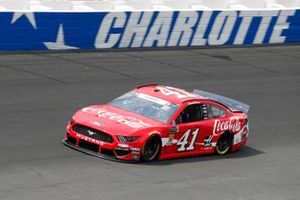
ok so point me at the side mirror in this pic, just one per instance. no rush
(174, 128)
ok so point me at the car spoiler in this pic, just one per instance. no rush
(234, 105)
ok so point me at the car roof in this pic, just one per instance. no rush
(171, 94)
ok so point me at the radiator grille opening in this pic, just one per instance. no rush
(71, 139)
(93, 133)
(107, 152)
(122, 152)
(89, 146)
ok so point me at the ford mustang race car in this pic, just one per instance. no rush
(159, 122)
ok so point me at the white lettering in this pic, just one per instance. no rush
(233, 125)
(168, 91)
(182, 31)
(159, 30)
(281, 24)
(222, 28)
(126, 120)
(88, 139)
(201, 28)
(247, 17)
(104, 38)
(183, 141)
(136, 29)
(264, 25)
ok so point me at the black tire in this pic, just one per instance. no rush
(224, 143)
(151, 148)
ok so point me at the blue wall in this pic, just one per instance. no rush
(64, 30)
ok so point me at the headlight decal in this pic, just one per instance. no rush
(127, 138)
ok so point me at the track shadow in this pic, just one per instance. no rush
(241, 153)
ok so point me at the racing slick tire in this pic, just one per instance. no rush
(151, 149)
(224, 143)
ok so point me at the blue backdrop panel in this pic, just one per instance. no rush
(91, 30)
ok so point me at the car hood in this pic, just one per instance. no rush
(113, 120)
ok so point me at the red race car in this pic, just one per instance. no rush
(159, 122)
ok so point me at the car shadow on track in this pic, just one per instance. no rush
(241, 153)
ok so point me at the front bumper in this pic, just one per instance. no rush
(109, 152)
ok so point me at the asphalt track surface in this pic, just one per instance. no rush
(40, 91)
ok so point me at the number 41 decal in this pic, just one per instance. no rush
(183, 141)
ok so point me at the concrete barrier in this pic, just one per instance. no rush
(53, 25)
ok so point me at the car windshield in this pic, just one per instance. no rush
(146, 105)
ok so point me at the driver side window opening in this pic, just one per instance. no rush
(191, 113)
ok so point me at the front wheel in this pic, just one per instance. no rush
(224, 143)
(151, 148)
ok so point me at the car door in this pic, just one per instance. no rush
(192, 132)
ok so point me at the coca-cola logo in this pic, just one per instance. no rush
(233, 124)
(126, 120)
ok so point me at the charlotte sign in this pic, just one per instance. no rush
(67, 30)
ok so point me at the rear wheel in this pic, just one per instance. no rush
(224, 143)
(151, 148)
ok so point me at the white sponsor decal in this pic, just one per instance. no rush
(233, 124)
(153, 99)
(135, 149)
(184, 140)
(91, 133)
(169, 91)
(207, 144)
(97, 123)
(168, 141)
(241, 135)
(126, 120)
(185, 143)
(208, 141)
(88, 139)
(123, 145)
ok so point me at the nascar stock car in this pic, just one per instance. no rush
(159, 122)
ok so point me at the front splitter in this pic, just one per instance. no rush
(65, 142)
